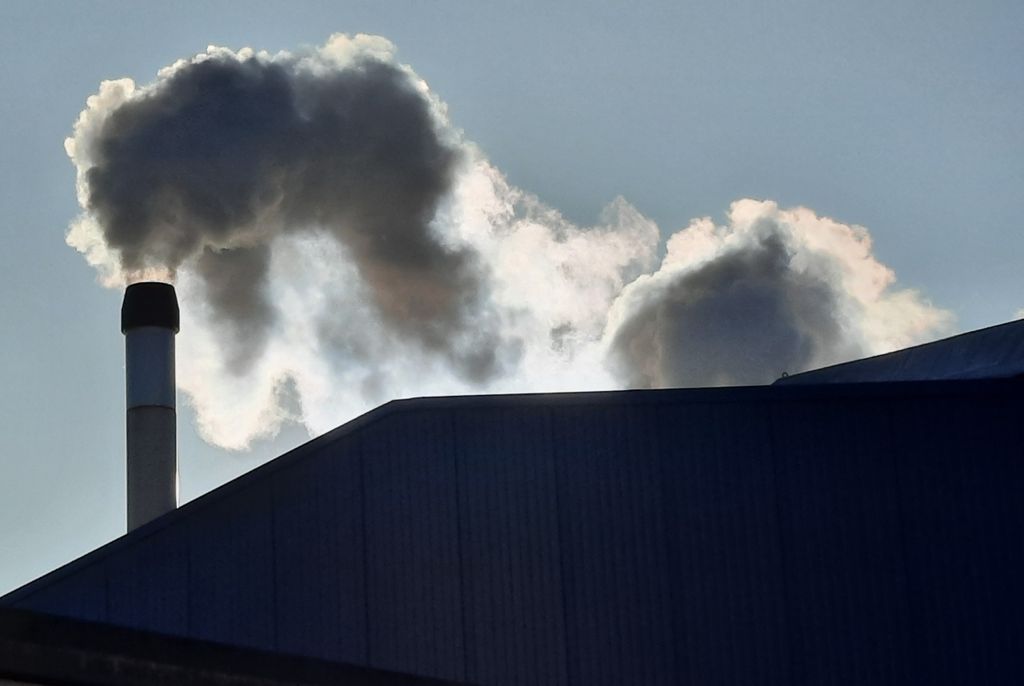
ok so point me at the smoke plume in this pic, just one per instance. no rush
(773, 291)
(227, 152)
(336, 242)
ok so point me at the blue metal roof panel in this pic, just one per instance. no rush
(962, 520)
(844, 568)
(804, 535)
(414, 581)
(509, 541)
(318, 525)
(725, 560)
(992, 353)
(612, 533)
(148, 585)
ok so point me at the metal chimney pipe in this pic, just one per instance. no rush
(149, 321)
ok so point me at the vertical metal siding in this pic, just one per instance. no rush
(231, 570)
(964, 516)
(319, 563)
(412, 540)
(613, 547)
(149, 586)
(82, 596)
(846, 580)
(508, 522)
(727, 575)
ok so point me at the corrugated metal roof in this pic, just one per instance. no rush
(992, 353)
(827, 534)
(43, 649)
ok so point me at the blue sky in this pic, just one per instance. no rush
(901, 117)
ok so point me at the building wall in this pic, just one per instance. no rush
(780, 535)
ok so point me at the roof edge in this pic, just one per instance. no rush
(784, 380)
(40, 648)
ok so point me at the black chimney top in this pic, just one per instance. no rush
(149, 303)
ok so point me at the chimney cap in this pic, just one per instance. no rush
(150, 303)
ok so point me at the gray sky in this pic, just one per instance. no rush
(901, 117)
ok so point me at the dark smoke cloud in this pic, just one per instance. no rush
(772, 291)
(229, 151)
(744, 318)
(235, 292)
(336, 243)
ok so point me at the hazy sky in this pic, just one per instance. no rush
(902, 117)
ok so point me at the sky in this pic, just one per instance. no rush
(903, 118)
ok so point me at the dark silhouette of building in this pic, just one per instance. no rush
(801, 533)
(44, 649)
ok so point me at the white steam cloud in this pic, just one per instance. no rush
(336, 242)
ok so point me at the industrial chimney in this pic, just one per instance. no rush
(149, 321)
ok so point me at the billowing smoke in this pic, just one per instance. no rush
(336, 242)
(773, 291)
(227, 152)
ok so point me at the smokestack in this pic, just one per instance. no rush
(149, 321)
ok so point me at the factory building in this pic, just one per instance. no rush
(862, 527)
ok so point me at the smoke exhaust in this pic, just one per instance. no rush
(344, 243)
(149, 321)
